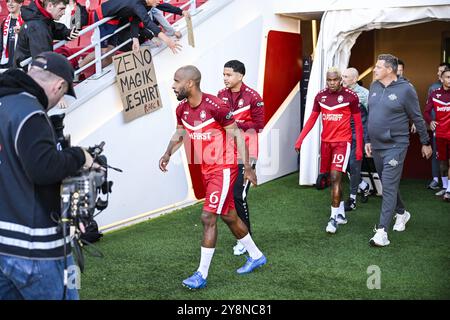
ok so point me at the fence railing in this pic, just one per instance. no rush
(96, 42)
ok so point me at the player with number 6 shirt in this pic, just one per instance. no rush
(210, 125)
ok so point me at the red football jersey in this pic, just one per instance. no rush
(248, 111)
(336, 108)
(213, 148)
(439, 99)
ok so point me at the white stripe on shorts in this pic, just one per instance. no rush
(347, 157)
(225, 189)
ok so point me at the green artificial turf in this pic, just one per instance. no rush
(149, 260)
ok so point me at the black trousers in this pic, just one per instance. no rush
(240, 196)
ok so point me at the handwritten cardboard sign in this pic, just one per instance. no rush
(136, 79)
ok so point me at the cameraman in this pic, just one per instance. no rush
(31, 170)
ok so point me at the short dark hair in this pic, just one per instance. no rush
(236, 65)
(446, 64)
(400, 62)
(191, 72)
(390, 61)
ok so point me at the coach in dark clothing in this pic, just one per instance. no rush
(31, 170)
(392, 103)
(40, 28)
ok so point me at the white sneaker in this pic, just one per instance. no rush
(401, 220)
(440, 193)
(239, 249)
(380, 239)
(331, 226)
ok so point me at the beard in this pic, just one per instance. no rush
(181, 95)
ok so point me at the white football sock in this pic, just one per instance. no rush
(334, 212)
(205, 260)
(251, 247)
(444, 182)
(341, 208)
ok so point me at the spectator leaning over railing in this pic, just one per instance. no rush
(169, 30)
(126, 9)
(40, 29)
(9, 31)
(139, 34)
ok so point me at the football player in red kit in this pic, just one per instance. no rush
(212, 129)
(248, 111)
(439, 100)
(337, 105)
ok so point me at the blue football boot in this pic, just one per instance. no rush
(196, 281)
(251, 265)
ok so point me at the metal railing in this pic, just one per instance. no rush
(96, 42)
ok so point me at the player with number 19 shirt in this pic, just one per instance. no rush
(337, 105)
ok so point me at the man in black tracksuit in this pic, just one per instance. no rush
(248, 110)
(31, 170)
(40, 29)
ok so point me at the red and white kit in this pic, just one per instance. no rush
(212, 148)
(248, 111)
(337, 108)
(439, 100)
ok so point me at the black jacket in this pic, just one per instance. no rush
(37, 33)
(125, 9)
(31, 169)
(144, 34)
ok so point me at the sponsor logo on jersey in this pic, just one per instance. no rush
(332, 116)
(340, 99)
(438, 95)
(443, 109)
(224, 98)
(374, 94)
(229, 115)
(241, 102)
(200, 135)
(392, 97)
(260, 104)
(203, 115)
